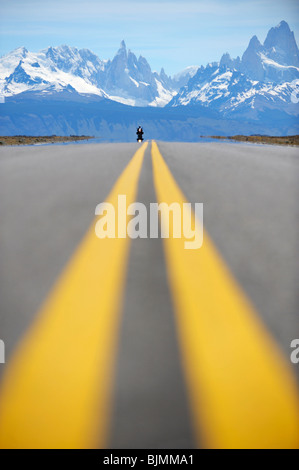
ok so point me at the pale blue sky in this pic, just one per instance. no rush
(172, 34)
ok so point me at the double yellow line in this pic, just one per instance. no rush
(241, 390)
(57, 388)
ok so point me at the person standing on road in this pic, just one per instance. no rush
(139, 133)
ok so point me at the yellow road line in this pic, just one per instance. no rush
(57, 388)
(241, 389)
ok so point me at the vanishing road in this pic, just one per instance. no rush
(141, 343)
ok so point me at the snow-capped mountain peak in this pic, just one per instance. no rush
(181, 79)
(50, 69)
(264, 62)
(260, 82)
(20, 51)
(260, 76)
(125, 78)
(281, 45)
(10, 61)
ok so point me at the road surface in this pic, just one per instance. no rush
(140, 343)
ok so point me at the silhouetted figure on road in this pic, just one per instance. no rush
(139, 134)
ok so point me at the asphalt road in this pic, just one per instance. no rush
(250, 199)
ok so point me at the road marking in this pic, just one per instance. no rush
(57, 389)
(242, 392)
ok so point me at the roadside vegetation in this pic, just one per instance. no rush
(31, 140)
(262, 139)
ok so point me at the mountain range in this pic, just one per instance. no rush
(251, 94)
(124, 79)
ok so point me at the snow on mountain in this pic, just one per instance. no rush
(131, 81)
(260, 81)
(125, 79)
(130, 78)
(164, 95)
(276, 60)
(281, 45)
(214, 86)
(181, 79)
(52, 69)
(10, 61)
